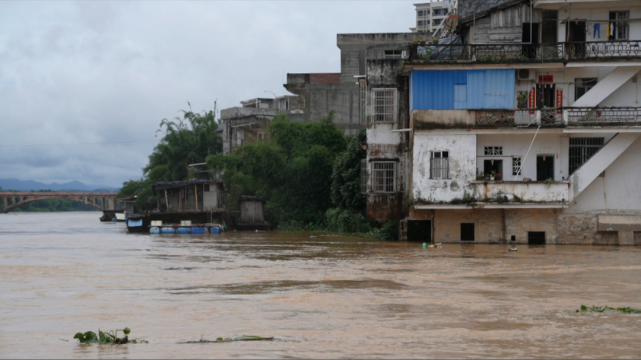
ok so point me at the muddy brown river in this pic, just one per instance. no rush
(318, 294)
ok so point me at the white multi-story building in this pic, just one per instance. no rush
(430, 15)
(527, 132)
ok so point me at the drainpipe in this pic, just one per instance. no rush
(503, 231)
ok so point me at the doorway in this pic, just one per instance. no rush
(575, 31)
(419, 231)
(544, 167)
(532, 37)
(492, 165)
(536, 237)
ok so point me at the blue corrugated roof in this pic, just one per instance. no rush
(486, 89)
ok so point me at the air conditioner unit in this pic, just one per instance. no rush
(404, 55)
(525, 74)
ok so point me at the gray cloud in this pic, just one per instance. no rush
(91, 72)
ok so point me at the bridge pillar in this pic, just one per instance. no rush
(4, 204)
(112, 203)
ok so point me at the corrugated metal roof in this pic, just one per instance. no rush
(485, 89)
(179, 184)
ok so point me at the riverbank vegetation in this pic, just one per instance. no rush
(185, 140)
(308, 174)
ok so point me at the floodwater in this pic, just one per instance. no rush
(320, 295)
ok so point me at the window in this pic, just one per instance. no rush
(421, 23)
(437, 21)
(261, 136)
(493, 150)
(516, 166)
(536, 237)
(460, 92)
(467, 231)
(392, 54)
(582, 149)
(581, 86)
(440, 165)
(206, 187)
(384, 176)
(444, 11)
(421, 13)
(364, 176)
(384, 105)
(619, 25)
(437, 12)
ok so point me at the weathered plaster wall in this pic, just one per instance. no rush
(519, 191)
(382, 134)
(462, 165)
(488, 224)
(441, 119)
(388, 206)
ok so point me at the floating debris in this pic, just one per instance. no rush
(600, 309)
(513, 249)
(221, 340)
(107, 337)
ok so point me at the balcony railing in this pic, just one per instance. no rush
(609, 115)
(526, 53)
(518, 117)
(556, 117)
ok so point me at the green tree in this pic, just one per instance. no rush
(346, 176)
(292, 172)
(185, 140)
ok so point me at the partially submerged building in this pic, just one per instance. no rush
(189, 204)
(526, 131)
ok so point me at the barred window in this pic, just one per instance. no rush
(440, 165)
(384, 176)
(516, 166)
(582, 149)
(384, 105)
(364, 176)
(494, 150)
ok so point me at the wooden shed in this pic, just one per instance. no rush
(251, 214)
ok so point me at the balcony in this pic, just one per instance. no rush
(509, 118)
(590, 51)
(609, 116)
(516, 194)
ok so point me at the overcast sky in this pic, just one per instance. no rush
(103, 72)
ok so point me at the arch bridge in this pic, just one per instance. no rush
(101, 201)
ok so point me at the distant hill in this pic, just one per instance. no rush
(28, 185)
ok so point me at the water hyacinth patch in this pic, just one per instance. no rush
(600, 309)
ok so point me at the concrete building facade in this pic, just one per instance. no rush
(340, 92)
(526, 132)
(249, 122)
